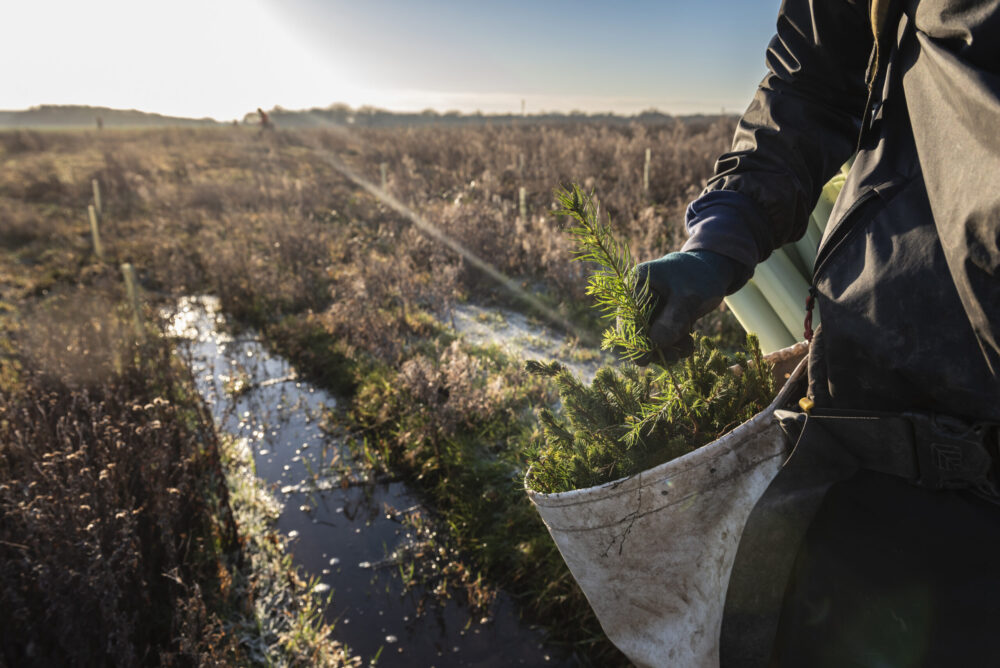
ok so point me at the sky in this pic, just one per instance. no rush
(224, 58)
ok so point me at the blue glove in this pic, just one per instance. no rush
(685, 286)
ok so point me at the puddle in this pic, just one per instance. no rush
(343, 530)
(524, 339)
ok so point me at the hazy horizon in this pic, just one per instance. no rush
(401, 111)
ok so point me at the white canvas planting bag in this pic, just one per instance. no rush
(653, 552)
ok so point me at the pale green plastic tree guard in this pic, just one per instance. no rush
(772, 304)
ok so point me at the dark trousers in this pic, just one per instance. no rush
(891, 575)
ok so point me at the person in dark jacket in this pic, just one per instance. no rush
(899, 563)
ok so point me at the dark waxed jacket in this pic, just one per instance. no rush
(907, 277)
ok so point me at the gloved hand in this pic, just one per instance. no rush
(685, 286)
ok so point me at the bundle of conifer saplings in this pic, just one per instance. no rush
(631, 418)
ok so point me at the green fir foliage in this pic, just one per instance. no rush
(630, 418)
(612, 284)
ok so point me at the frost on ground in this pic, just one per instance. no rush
(525, 339)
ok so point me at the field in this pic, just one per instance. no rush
(111, 472)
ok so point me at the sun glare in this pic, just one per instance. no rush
(189, 58)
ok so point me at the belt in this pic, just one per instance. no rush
(932, 451)
(935, 452)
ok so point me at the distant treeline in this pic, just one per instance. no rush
(80, 116)
(342, 114)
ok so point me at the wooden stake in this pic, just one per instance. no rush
(522, 194)
(132, 293)
(95, 233)
(383, 168)
(97, 197)
(645, 172)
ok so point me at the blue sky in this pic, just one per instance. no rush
(222, 58)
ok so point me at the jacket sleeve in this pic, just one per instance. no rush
(801, 126)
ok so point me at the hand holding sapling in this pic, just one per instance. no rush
(683, 286)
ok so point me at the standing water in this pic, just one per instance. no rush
(344, 529)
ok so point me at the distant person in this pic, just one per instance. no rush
(100, 123)
(890, 500)
(265, 121)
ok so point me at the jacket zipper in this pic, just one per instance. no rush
(848, 224)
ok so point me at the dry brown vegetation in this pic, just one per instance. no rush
(268, 218)
(337, 280)
(116, 546)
